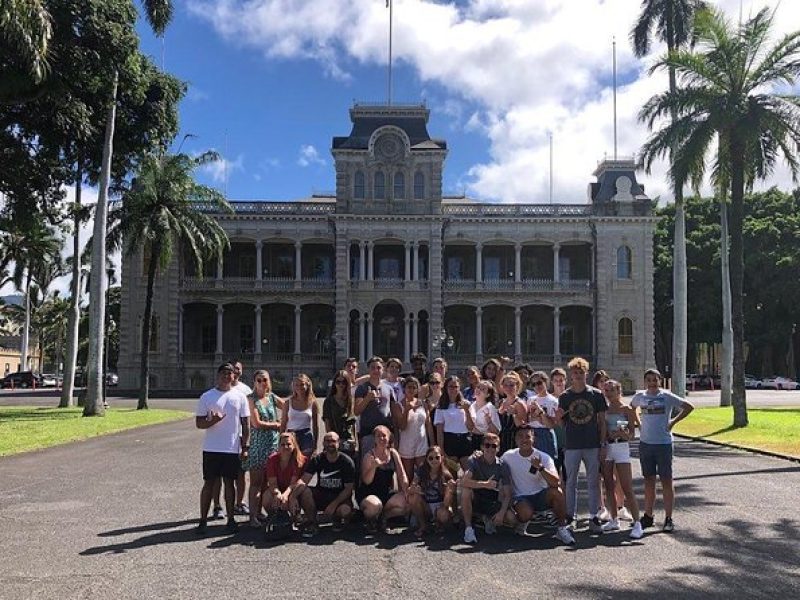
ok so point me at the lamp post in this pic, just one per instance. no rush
(443, 341)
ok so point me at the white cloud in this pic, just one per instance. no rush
(220, 170)
(309, 156)
(524, 67)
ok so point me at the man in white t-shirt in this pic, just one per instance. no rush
(223, 413)
(535, 484)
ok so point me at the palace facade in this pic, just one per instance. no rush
(389, 266)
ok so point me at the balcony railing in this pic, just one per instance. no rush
(317, 283)
(517, 210)
(537, 284)
(458, 284)
(389, 283)
(510, 284)
(498, 284)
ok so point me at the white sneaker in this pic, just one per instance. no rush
(488, 526)
(623, 514)
(603, 514)
(469, 536)
(612, 525)
(563, 534)
(636, 531)
(522, 528)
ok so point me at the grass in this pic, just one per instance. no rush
(24, 428)
(774, 429)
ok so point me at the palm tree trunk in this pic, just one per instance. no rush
(144, 371)
(739, 398)
(726, 369)
(97, 293)
(26, 327)
(679, 283)
(70, 360)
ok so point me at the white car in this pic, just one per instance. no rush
(751, 383)
(779, 383)
(49, 380)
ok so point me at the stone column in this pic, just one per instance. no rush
(220, 312)
(258, 329)
(369, 336)
(407, 340)
(297, 312)
(259, 265)
(220, 268)
(414, 334)
(298, 267)
(557, 334)
(518, 334)
(479, 331)
(479, 263)
(370, 260)
(556, 270)
(408, 262)
(362, 261)
(517, 263)
(180, 330)
(416, 261)
(361, 338)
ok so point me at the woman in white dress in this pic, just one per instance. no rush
(414, 422)
(484, 413)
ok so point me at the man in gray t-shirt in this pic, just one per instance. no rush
(485, 488)
(373, 404)
(656, 407)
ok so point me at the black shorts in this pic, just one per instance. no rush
(221, 464)
(322, 497)
(485, 502)
(457, 445)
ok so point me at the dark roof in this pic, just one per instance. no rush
(607, 173)
(412, 119)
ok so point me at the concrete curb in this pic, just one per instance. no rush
(788, 457)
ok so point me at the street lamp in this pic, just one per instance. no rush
(443, 340)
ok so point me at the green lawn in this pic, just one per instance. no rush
(24, 428)
(774, 429)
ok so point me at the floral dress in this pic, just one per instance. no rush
(263, 442)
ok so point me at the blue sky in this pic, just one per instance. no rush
(271, 82)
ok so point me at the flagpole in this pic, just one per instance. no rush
(614, 61)
(551, 167)
(390, 6)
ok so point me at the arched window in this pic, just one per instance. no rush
(358, 185)
(399, 186)
(419, 186)
(380, 186)
(624, 263)
(625, 336)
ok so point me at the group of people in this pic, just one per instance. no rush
(504, 448)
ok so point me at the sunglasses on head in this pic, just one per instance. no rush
(490, 446)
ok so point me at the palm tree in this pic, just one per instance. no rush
(672, 21)
(26, 247)
(165, 207)
(158, 14)
(25, 27)
(726, 96)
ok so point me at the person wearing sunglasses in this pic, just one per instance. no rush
(414, 423)
(484, 414)
(536, 487)
(538, 412)
(431, 394)
(472, 375)
(453, 423)
(264, 428)
(284, 470)
(301, 414)
(432, 492)
(337, 412)
(485, 489)
(373, 405)
(509, 388)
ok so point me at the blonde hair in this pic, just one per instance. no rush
(579, 363)
(268, 386)
(310, 398)
(513, 376)
(297, 456)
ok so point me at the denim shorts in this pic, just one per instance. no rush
(656, 459)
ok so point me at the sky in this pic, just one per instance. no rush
(270, 83)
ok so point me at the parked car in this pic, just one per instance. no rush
(112, 379)
(22, 379)
(49, 380)
(785, 383)
(751, 382)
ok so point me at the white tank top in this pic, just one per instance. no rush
(298, 419)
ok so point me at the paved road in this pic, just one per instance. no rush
(112, 517)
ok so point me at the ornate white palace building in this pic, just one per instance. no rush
(389, 266)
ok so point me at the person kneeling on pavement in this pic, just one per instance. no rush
(536, 486)
(332, 495)
(486, 489)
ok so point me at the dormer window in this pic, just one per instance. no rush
(358, 185)
(399, 186)
(419, 186)
(380, 186)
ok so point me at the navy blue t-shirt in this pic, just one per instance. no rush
(580, 417)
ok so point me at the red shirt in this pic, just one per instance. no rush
(286, 474)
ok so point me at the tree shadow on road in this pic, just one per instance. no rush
(742, 560)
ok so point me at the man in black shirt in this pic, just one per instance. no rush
(581, 409)
(333, 493)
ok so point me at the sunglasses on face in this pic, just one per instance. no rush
(487, 446)
(340, 381)
(509, 384)
(434, 457)
(286, 444)
(436, 383)
(262, 380)
(539, 382)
